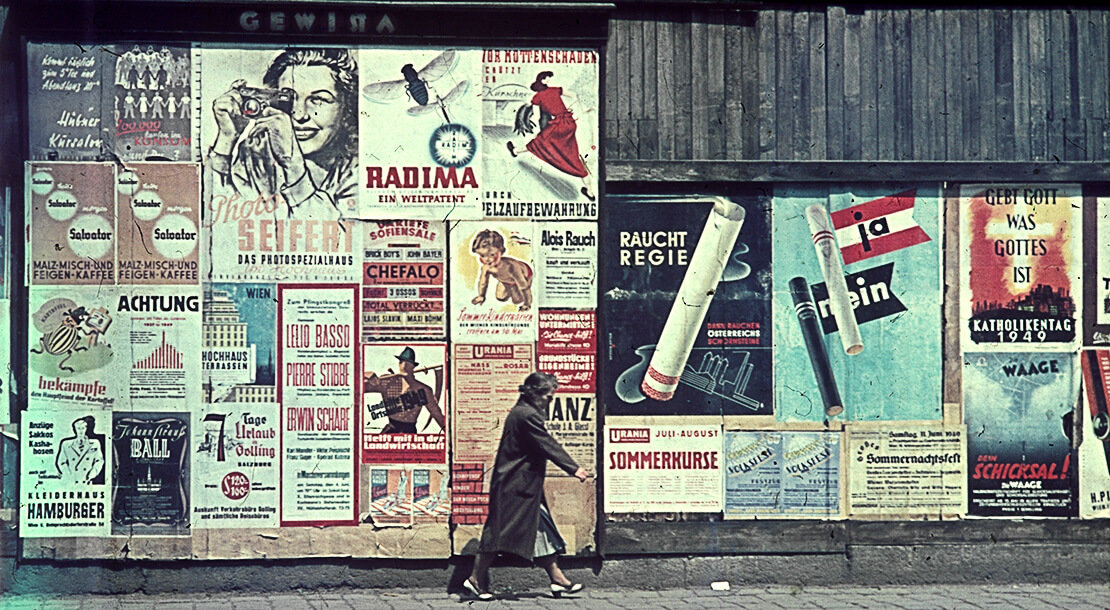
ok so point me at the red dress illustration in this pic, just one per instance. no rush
(556, 143)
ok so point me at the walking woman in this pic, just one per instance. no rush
(519, 521)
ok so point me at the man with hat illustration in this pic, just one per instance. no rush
(403, 396)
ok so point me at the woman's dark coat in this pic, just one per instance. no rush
(516, 489)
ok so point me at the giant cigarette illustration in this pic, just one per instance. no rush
(828, 255)
(694, 296)
(815, 345)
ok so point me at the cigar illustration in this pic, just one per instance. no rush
(815, 345)
(711, 254)
(828, 255)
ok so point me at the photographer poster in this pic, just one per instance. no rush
(493, 282)
(1021, 273)
(404, 277)
(235, 465)
(72, 209)
(318, 390)
(158, 220)
(540, 133)
(150, 484)
(404, 405)
(1018, 408)
(64, 483)
(279, 142)
(420, 122)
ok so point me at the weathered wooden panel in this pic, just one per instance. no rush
(709, 81)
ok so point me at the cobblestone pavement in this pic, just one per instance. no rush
(999, 597)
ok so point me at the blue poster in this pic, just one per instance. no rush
(782, 473)
(889, 242)
(238, 355)
(753, 473)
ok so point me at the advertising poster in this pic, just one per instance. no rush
(485, 385)
(1094, 452)
(280, 133)
(318, 389)
(404, 407)
(63, 95)
(1018, 408)
(148, 100)
(238, 355)
(163, 338)
(540, 133)
(75, 348)
(72, 209)
(420, 124)
(686, 306)
(493, 276)
(391, 502)
(404, 279)
(65, 461)
(567, 348)
(567, 258)
(1096, 267)
(151, 469)
(235, 465)
(907, 470)
(1022, 268)
(880, 248)
(158, 220)
(572, 420)
(431, 494)
(653, 469)
(791, 474)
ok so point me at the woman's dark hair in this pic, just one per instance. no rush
(539, 85)
(341, 62)
(538, 383)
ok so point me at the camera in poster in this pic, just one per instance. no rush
(71, 353)
(493, 278)
(540, 133)
(1021, 272)
(404, 283)
(239, 352)
(158, 220)
(64, 465)
(686, 306)
(235, 465)
(857, 285)
(1019, 408)
(404, 412)
(150, 483)
(421, 128)
(280, 131)
(72, 209)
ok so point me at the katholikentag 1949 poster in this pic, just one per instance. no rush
(404, 403)
(280, 141)
(1021, 265)
(318, 384)
(404, 279)
(65, 461)
(235, 465)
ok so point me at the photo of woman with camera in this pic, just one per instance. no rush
(294, 138)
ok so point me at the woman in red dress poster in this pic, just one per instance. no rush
(555, 144)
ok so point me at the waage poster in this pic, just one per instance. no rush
(1020, 274)
(64, 485)
(404, 279)
(280, 133)
(235, 465)
(421, 130)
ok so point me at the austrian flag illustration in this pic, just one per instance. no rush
(877, 227)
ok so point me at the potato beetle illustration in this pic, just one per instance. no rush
(64, 338)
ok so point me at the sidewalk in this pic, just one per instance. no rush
(1070, 597)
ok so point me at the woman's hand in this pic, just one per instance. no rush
(275, 130)
(582, 474)
(227, 109)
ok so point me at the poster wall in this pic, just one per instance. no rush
(686, 306)
(318, 389)
(1018, 408)
(663, 469)
(65, 482)
(151, 470)
(907, 469)
(788, 473)
(404, 413)
(404, 279)
(1021, 274)
(235, 465)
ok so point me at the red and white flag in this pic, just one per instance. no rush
(877, 227)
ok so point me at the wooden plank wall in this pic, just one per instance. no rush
(712, 83)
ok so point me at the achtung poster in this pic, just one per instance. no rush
(279, 131)
(1020, 265)
(159, 224)
(493, 282)
(540, 133)
(76, 348)
(1018, 407)
(65, 466)
(72, 208)
(160, 330)
(235, 465)
(404, 279)
(421, 128)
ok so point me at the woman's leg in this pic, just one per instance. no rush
(480, 573)
(550, 564)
